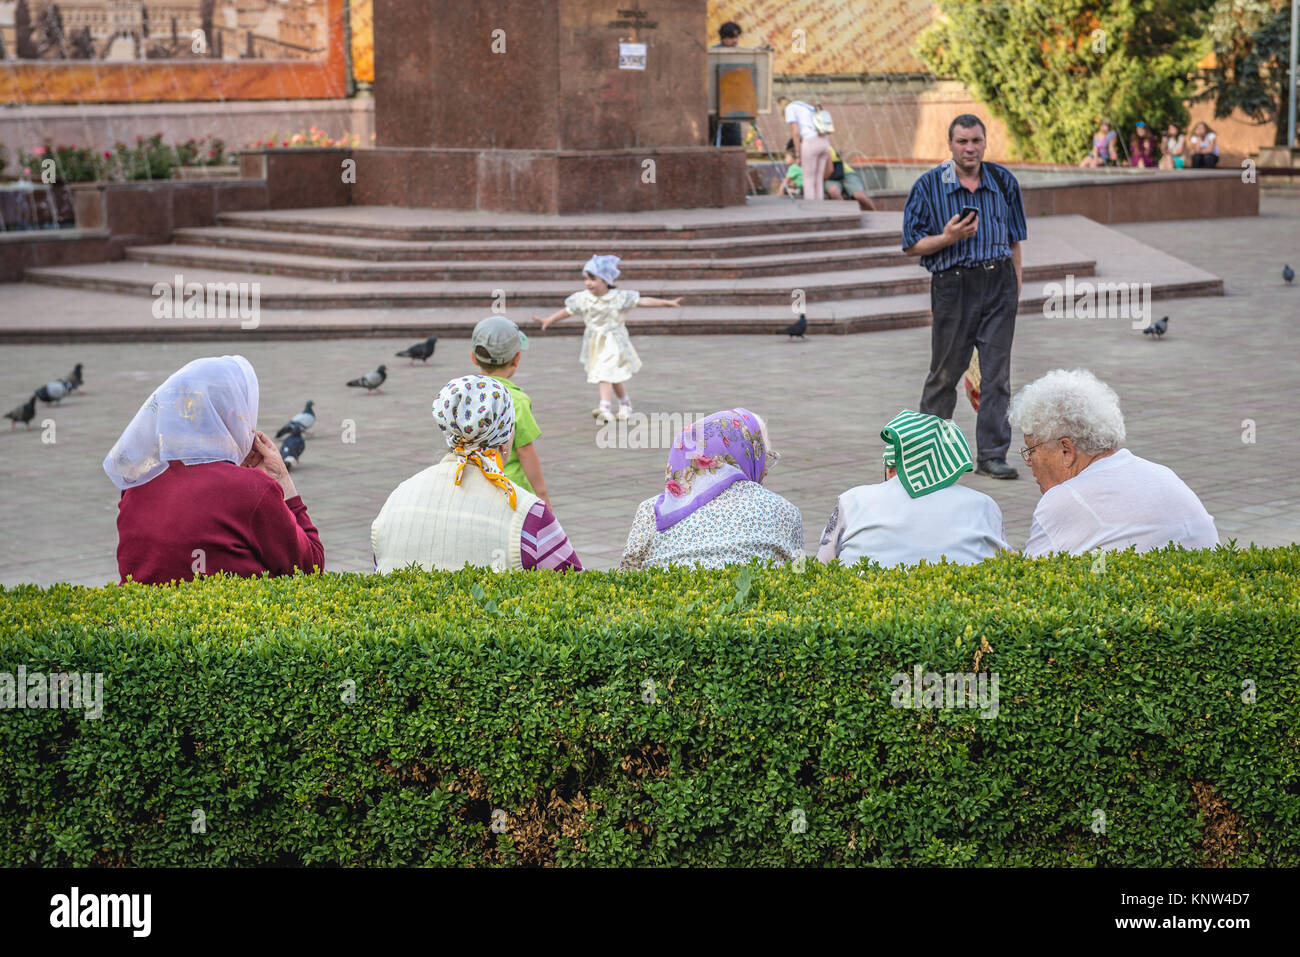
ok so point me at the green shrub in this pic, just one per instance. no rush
(1125, 691)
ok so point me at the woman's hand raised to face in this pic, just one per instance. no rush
(269, 461)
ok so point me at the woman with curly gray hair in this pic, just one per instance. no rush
(1096, 494)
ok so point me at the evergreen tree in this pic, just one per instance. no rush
(24, 46)
(1049, 69)
(49, 24)
(3, 56)
(206, 8)
(144, 20)
(1251, 40)
(83, 45)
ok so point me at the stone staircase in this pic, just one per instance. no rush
(376, 271)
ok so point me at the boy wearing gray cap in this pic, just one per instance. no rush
(498, 347)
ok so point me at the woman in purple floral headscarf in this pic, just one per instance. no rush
(714, 510)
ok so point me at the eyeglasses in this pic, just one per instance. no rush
(773, 456)
(1025, 453)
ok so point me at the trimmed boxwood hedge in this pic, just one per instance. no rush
(1148, 715)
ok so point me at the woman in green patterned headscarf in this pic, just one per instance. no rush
(919, 512)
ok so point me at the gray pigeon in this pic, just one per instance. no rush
(23, 413)
(302, 422)
(371, 380)
(1157, 328)
(291, 449)
(52, 391)
(1288, 274)
(421, 350)
(797, 329)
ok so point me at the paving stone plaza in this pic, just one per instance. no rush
(1215, 400)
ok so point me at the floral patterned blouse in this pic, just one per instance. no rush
(745, 521)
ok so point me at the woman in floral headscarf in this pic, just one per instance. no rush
(714, 510)
(464, 510)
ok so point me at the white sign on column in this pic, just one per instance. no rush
(631, 56)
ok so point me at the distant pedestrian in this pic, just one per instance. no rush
(792, 184)
(1173, 150)
(1204, 146)
(1105, 148)
(975, 280)
(812, 148)
(1142, 148)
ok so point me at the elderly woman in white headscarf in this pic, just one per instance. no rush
(1095, 493)
(464, 510)
(202, 490)
(919, 512)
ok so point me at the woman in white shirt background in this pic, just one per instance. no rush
(812, 150)
(1096, 494)
(1204, 146)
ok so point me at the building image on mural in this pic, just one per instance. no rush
(132, 30)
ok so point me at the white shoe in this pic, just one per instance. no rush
(624, 410)
(602, 415)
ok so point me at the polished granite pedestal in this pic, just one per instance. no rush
(525, 105)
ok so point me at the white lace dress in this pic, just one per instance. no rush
(607, 352)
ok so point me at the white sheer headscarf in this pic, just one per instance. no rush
(206, 412)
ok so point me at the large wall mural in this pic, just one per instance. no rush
(812, 37)
(139, 50)
(829, 37)
(68, 51)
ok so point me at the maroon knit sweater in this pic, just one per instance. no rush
(237, 516)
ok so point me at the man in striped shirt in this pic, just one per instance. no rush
(974, 283)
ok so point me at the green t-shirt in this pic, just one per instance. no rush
(526, 431)
(795, 175)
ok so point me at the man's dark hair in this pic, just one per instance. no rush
(966, 121)
(729, 29)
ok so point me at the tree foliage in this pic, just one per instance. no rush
(1251, 41)
(1049, 69)
(24, 45)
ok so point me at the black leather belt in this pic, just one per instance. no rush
(992, 264)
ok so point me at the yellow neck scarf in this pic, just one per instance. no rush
(490, 464)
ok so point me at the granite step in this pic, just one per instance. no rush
(559, 248)
(289, 292)
(832, 317)
(310, 266)
(400, 223)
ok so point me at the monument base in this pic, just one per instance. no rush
(530, 181)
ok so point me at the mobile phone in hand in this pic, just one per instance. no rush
(968, 213)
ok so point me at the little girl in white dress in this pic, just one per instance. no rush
(607, 352)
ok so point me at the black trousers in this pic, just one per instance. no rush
(1204, 160)
(974, 306)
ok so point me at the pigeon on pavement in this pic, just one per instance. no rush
(421, 350)
(291, 449)
(74, 377)
(23, 413)
(371, 380)
(302, 422)
(52, 391)
(797, 329)
(1157, 328)
(1288, 273)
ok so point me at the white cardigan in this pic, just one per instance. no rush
(431, 521)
